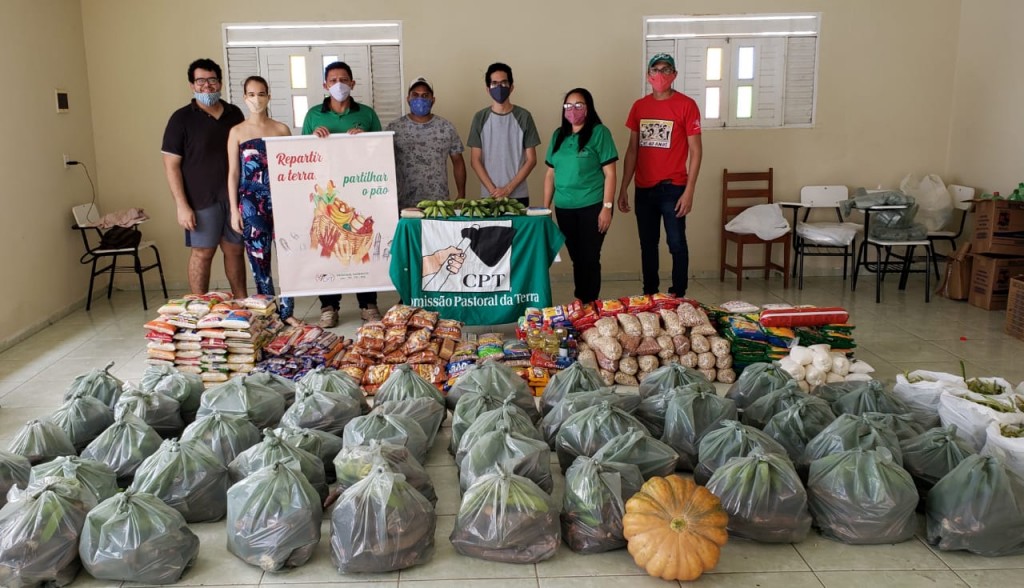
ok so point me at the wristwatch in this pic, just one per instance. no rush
(607, 204)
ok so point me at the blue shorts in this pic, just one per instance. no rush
(213, 224)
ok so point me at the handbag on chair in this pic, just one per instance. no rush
(120, 238)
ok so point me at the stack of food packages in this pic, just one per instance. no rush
(627, 339)
(405, 334)
(297, 349)
(760, 334)
(212, 335)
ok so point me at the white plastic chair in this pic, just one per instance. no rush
(962, 196)
(822, 239)
(86, 217)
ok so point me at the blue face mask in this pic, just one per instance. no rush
(500, 93)
(420, 106)
(207, 99)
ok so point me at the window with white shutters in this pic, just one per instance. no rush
(292, 58)
(744, 71)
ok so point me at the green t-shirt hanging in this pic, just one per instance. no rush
(579, 179)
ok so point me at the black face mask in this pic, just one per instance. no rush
(500, 93)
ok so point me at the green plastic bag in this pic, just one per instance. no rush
(522, 455)
(331, 380)
(135, 537)
(756, 381)
(764, 497)
(759, 412)
(355, 463)
(670, 376)
(870, 396)
(404, 383)
(123, 446)
(977, 507)
(425, 411)
(689, 417)
(273, 517)
(933, 454)
(494, 379)
(160, 411)
(83, 418)
(96, 477)
(636, 446)
(227, 435)
(652, 409)
(273, 449)
(322, 410)
(394, 428)
(793, 427)
(586, 431)
(577, 401)
(187, 389)
(240, 396)
(188, 477)
(14, 471)
(851, 432)
(41, 440)
(731, 439)
(564, 383)
(862, 497)
(98, 383)
(596, 492)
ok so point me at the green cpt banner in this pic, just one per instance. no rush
(482, 271)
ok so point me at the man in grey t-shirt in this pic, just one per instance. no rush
(503, 140)
(423, 143)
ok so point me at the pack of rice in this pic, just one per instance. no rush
(226, 435)
(243, 397)
(187, 389)
(495, 379)
(933, 454)
(96, 477)
(273, 517)
(793, 427)
(977, 507)
(756, 381)
(188, 477)
(862, 497)
(123, 446)
(425, 411)
(508, 415)
(764, 497)
(354, 463)
(920, 390)
(98, 383)
(849, 432)
(381, 524)
(161, 412)
(506, 518)
(571, 380)
(636, 446)
(40, 526)
(40, 440)
(571, 404)
(586, 431)
(332, 380)
(731, 439)
(394, 428)
(594, 501)
(135, 537)
(14, 471)
(324, 411)
(670, 376)
(272, 449)
(690, 416)
(522, 455)
(83, 418)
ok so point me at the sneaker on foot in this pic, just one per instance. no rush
(328, 318)
(370, 313)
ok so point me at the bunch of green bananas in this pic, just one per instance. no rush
(437, 208)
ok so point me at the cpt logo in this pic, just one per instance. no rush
(466, 256)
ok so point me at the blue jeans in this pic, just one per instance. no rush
(654, 205)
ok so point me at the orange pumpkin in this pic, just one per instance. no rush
(675, 529)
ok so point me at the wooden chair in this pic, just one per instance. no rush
(734, 201)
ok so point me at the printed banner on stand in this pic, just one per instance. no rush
(335, 212)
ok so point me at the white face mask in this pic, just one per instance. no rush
(340, 91)
(257, 104)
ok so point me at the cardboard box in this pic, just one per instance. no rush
(1014, 324)
(990, 280)
(998, 227)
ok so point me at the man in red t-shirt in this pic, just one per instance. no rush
(664, 152)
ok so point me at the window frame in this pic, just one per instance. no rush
(787, 59)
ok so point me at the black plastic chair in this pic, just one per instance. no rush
(86, 216)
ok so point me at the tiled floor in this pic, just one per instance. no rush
(900, 334)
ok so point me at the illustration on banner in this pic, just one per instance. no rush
(337, 229)
(466, 256)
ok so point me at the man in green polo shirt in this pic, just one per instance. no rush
(339, 113)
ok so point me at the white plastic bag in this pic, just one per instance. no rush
(920, 391)
(959, 407)
(764, 220)
(934, 205)
(1009, 449)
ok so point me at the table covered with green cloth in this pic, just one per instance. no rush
(482, 271)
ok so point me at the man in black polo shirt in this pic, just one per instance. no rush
(195, 150)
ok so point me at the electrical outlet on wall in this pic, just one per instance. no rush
(66, 160)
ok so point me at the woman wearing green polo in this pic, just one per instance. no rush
(580, 182)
